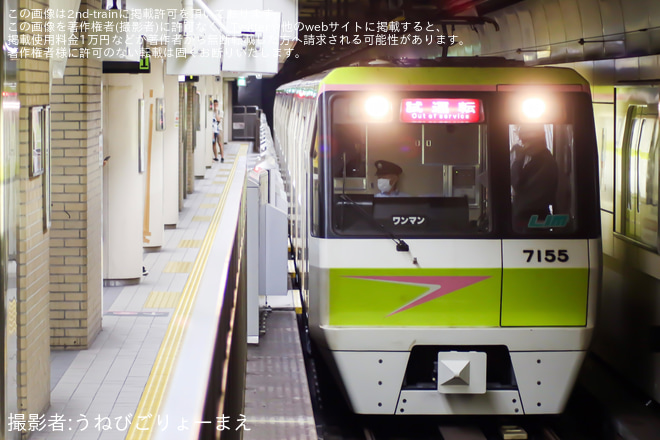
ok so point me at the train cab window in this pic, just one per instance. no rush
(640, 175)
(542, 178)
(392, 176)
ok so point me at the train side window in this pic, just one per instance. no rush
(543, 190)
(640, 179)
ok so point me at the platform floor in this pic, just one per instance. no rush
(277, 401)
(95, 391)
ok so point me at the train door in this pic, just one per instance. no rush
(309, 145)
(296, 145)
(639, 195)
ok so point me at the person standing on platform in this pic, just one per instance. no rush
(217, 132)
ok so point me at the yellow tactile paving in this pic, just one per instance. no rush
(212, 195)
(178, 267)
(190, 243)
(158, 379)
(202, 218)
(11, 317)
(162, 300)
(208, 205)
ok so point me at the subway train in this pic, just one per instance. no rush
(446, 229)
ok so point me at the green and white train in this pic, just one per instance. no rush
(445, 298)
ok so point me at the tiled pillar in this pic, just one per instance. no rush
(33, 352)
(77, 195)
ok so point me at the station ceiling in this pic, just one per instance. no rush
(310, 58)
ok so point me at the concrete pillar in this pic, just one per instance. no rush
(154, 97)
(123, 193)
(208, 112)
(226, 105)
(189, 141)
(199, 110)
(183, 143)
(171, 153)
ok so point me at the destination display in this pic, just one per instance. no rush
(441, 111)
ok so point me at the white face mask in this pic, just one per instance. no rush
(384, 185)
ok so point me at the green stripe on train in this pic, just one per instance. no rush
(453, 76)
(544, 297)
(363, 297)
(457, 297)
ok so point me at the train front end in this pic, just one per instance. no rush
(454, 237)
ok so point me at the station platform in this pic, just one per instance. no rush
(96, 392)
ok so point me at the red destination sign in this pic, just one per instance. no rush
(441, 111)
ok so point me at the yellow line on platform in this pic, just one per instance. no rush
(162, 300)
(190, 243)
(179, 267)
(152, 397)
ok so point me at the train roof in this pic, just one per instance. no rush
(489, 78)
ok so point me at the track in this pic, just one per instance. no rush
(450, 428)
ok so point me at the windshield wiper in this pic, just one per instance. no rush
(401, 245)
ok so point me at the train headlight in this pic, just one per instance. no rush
(377, 107)
(533, 108)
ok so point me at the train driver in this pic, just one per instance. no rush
(388, 176)
(534, 175)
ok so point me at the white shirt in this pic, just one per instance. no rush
(217, 122)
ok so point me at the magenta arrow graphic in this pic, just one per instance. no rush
(437, 286)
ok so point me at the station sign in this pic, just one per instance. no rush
(142, 66)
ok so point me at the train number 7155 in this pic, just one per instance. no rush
(548, 255)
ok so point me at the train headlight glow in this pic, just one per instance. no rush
(533, 108)
(377, 107)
